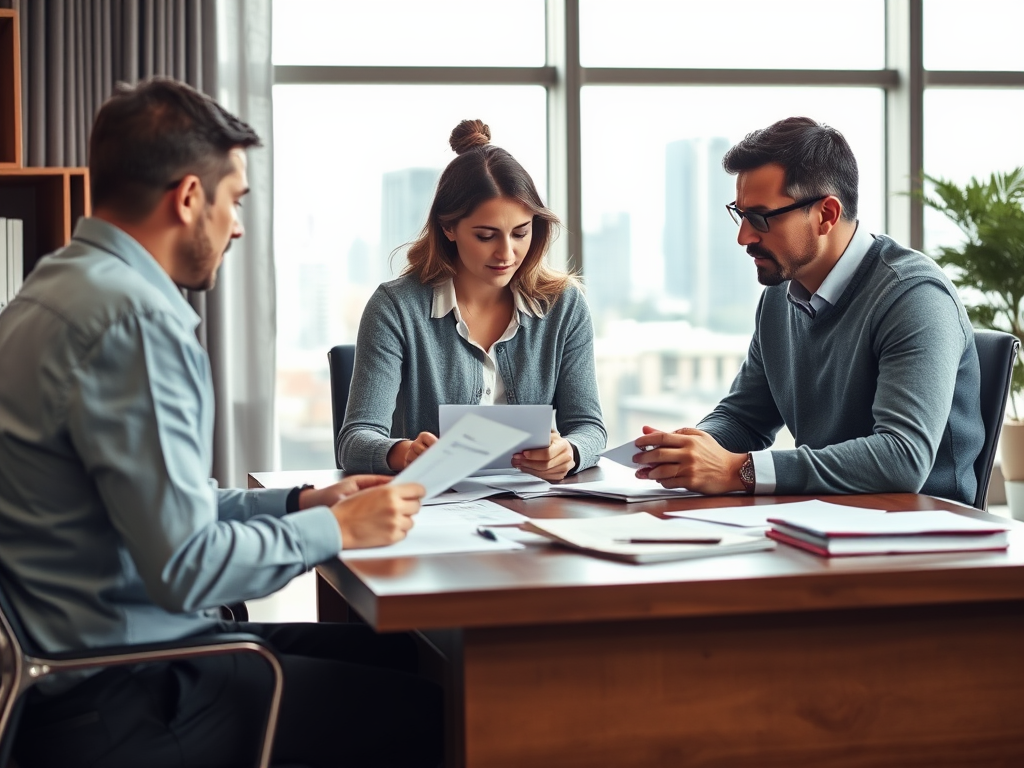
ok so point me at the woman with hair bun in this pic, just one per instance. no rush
(476, 318)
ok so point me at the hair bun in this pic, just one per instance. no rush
(469, 134)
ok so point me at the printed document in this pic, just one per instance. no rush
(536, 420)
(464, 448)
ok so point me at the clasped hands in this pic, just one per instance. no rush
(551, 463)
(688, 458)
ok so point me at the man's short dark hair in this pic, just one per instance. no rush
(148, 136)
(816, 158)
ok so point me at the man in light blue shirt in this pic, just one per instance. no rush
(111, 531)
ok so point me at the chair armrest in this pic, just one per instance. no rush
(170, 649)
(38, 667)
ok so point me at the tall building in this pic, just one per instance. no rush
(606, 267)
(703, 263)
(406, 195)
(314, 330)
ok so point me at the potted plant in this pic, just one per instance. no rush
(988, 271)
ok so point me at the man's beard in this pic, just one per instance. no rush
(199, 254)
(771, 275)
(778, 272)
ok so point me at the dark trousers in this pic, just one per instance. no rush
(351, 698)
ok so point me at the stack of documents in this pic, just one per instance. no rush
(628, 491)
(852, 532)
(642, 538)
(752, 519)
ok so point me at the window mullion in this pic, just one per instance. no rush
(564, 154)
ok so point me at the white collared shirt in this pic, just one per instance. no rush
(445, 301)
(838, 277)
(828, 293)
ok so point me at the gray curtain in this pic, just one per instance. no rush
(73, 53)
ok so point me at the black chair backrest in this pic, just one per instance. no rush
(25, 641)
(997, 352)
(342, 361)
(14, 644)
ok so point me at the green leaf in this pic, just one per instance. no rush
(988, 267)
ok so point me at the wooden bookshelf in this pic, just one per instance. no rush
(48, 200)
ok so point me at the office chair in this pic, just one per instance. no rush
(997, 352)
(23, 664)
(342, 361)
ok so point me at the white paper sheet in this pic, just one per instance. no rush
(435, 540)
(623, 454)
(534, 420)
(459, 452)
(458, 495)
(518, 484)
(482, 512)
(757, 516)
(739, 517)
(622, 490)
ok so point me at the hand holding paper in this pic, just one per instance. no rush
(535, 420)
(377, 516)
(471, 443)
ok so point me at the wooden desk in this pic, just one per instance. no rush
(766, 659)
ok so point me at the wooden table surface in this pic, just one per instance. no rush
(774, 658)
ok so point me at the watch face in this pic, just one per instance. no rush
(747, 473)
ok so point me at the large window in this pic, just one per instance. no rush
(355, 171)
(740, 34)
(672, 292)
(626, 139)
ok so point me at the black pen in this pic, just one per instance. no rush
(487, 533)
(669, 540)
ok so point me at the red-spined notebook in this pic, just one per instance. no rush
(839, 534)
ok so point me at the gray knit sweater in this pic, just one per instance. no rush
(881, 391)
(407, 363)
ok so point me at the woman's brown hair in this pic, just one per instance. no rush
(483, 172)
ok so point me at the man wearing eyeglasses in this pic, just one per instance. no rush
(861, 346)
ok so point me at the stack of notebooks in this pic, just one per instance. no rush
(643, 538)
(856, 532)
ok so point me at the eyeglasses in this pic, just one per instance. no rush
(759, 221)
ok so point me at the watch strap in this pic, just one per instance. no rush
(291, 502)
(747, 474)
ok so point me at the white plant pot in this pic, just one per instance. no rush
(1011, 448)
(1015, 498)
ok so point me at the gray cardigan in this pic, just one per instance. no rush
(880, 391)
(407, 363)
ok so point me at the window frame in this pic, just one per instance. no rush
(904, 80)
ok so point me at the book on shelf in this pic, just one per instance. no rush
(5, 267)
(840, 533)
(16, 254)
(642, 538)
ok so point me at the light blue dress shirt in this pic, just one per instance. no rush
(110, 530)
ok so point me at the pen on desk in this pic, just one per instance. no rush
(487, 533)
(670, 540)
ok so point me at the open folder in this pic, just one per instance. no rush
(642, 538)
